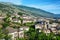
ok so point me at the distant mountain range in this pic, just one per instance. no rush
(57, 15)
(12, 8)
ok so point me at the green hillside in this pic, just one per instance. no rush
(35, 11)
(12, 8)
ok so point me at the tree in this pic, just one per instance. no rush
(58, 37)
(50, 36)
(1, 34)
(21, 21)
(31, 34)
(29, 24)
(4, 35)
(4, 26)
(7, 19)
(8, 15)
(19, 13)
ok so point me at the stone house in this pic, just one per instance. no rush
(47, 31)
(27, 20)
(14, 32)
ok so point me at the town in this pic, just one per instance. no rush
(24, 26)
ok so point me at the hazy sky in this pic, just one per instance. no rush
(48, 5)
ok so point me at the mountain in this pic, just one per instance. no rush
(7, 8)
(12, 8)
(56, 15)
(35, 11)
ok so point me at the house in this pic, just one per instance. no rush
(25, 28)
(14, 32)
(35, 19)
(41, 26)
(44, 23)
(47, 31)
(1, 17)
(58, 28)
(38, 26)
(54, 30)
(16, 20)
(54, 24)
(26, 17)
(53, 27)
(27, 20)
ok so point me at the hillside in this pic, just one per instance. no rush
(7, 8)
(57, 15)
(35, 11)
(12, 8)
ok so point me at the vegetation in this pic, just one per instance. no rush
(19, 13)
(36, 35)
(29, 24)
(20, 9)
(3, 31)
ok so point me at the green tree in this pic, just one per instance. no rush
(4, 26)
(21, 21)
(21, 39)
(58, 37)
(19, 13)
(7, 19)
(2, 35)
(31, 34)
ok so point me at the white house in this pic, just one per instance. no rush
(38, 26)
(26, 17)
(27, 20)
(54, 24)
(54, 30)
(16, 20)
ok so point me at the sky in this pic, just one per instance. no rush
(52, 6)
